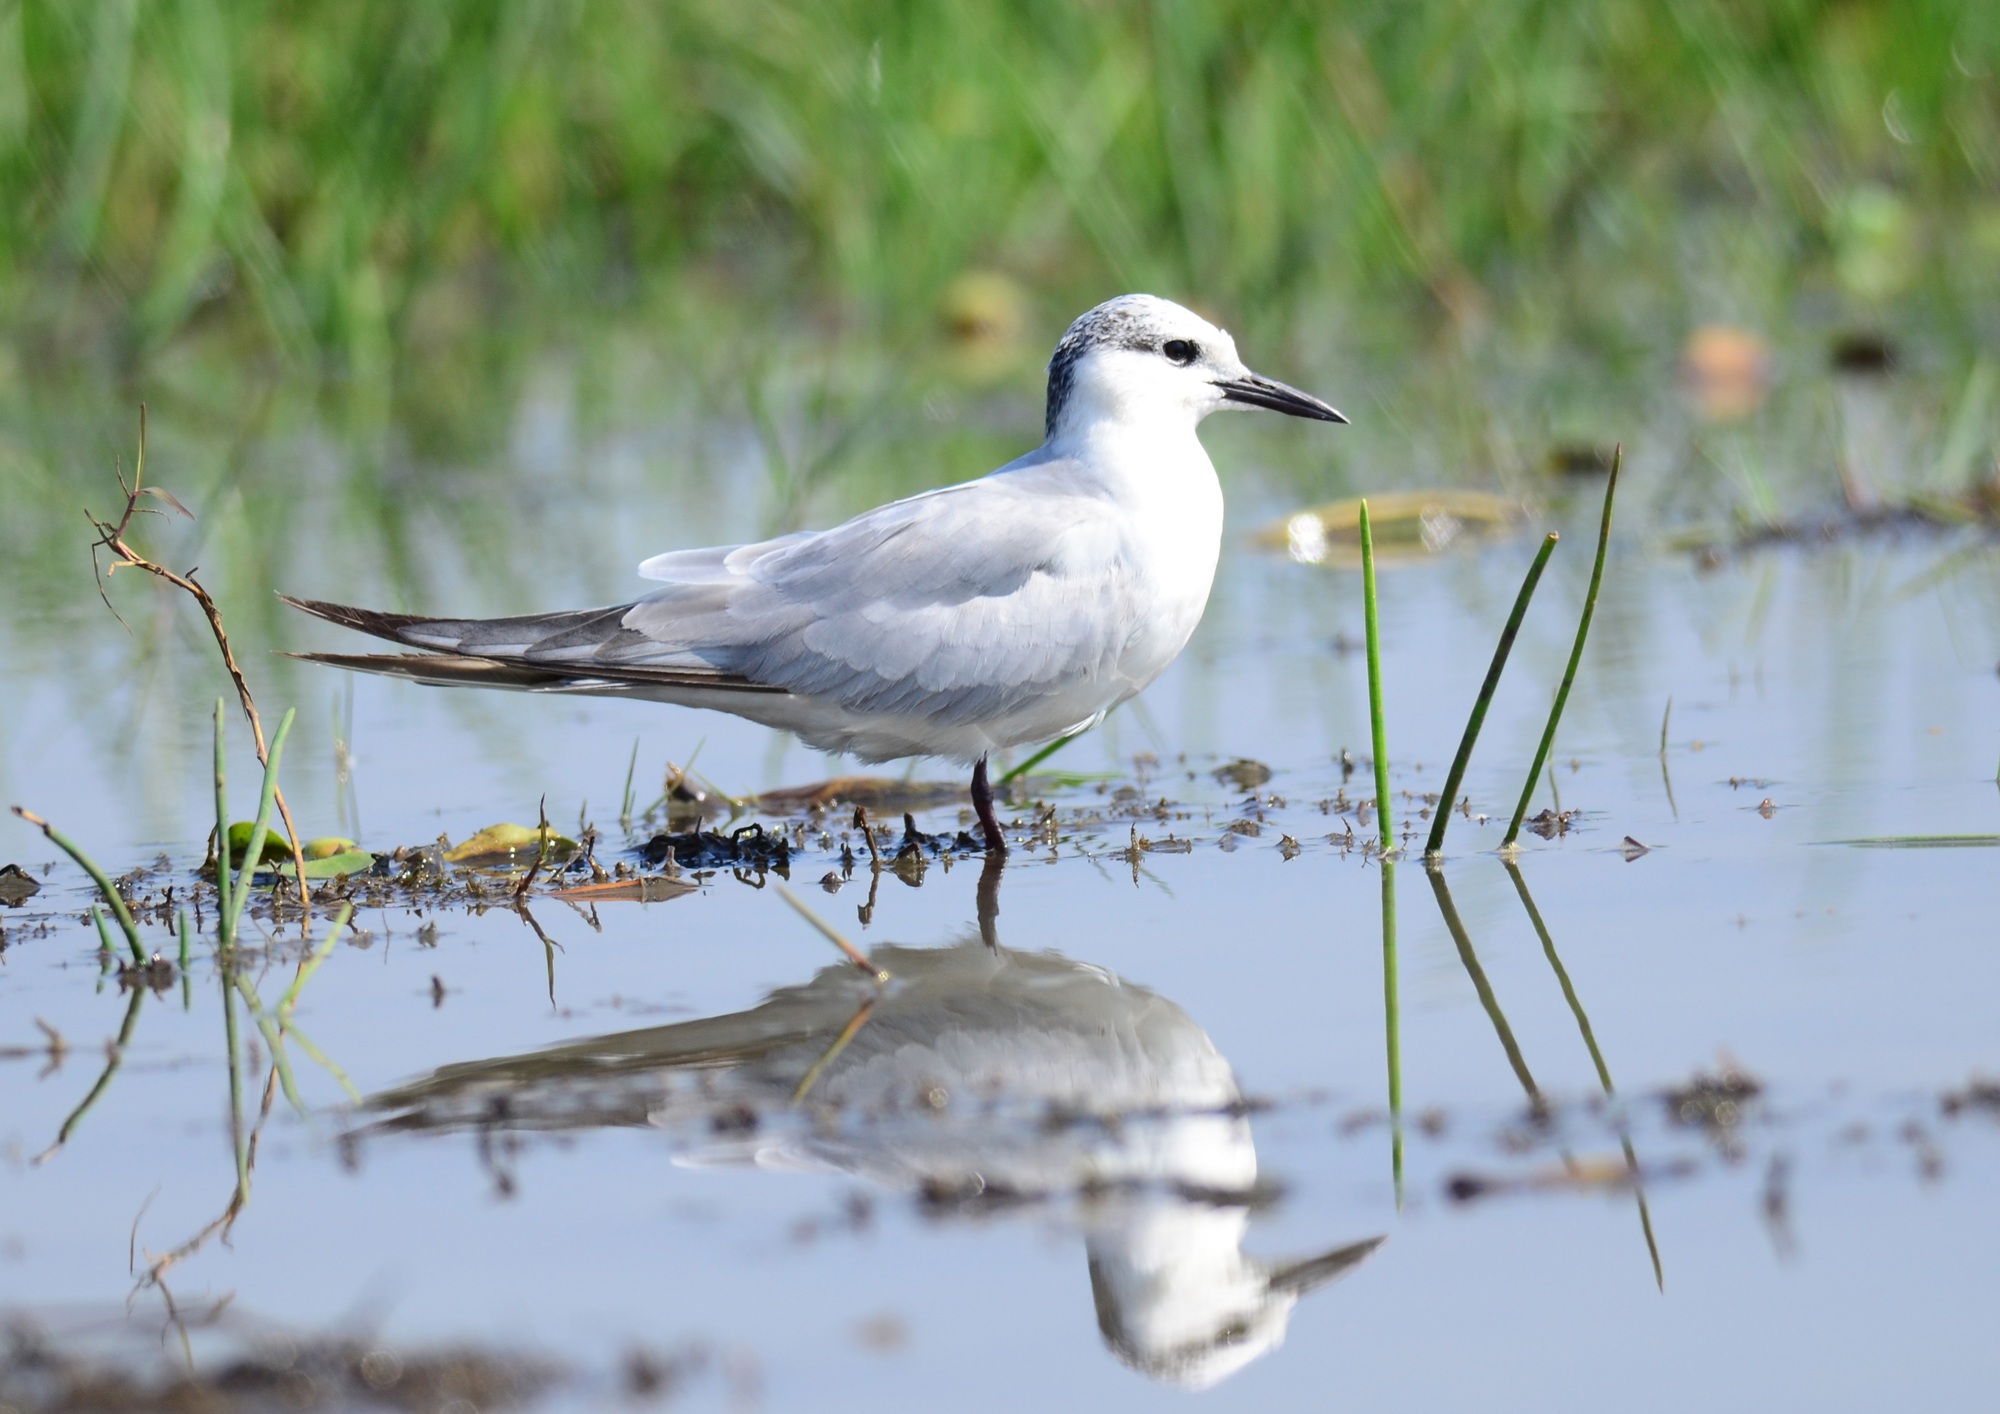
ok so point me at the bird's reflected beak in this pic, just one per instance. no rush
(1261, 392)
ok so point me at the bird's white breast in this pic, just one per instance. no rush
(1171, 510)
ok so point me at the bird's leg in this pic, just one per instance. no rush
(989, 898)
(982, 805)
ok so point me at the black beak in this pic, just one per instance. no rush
(1261, 392)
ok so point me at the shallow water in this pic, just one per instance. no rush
(1145, 1142)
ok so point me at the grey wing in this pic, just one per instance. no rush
(958, 605)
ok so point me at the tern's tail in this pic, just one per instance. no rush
(583, 650)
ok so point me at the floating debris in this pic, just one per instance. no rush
(640, 888)
(1406, 525)
(1979, 1094)
(1242, 774)
(1715, 1101)
(751, 846)
(16, 888)
(1551, 824)
(1608, 1173)
(262, 1371)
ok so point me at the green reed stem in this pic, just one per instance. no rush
(273, 1038)
(236, 1141)
(115, 1059)
(254, 853)
(1434, 846)
(1487, 1000)
(312, 962)
(1392, 1025)
(97, 876)
(1377, 726)
(1597, 1060)
(1037, 759)
(186, 930)
(224, 937)
(625, 802)
(1576, 652)
(319, 1057)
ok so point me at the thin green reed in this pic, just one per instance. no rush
(1488, 1001)
(1037, 759)
(223, 913)
(1377, 726)
(1575, 654)
(236, 1142)
(1379, 731)
(625, 801)
(1392, 1024)
(113, 1060)
(1434, 846)
(126, 923)
(1596, 1059)
(253, 854)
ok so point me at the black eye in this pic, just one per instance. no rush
(1179, 351)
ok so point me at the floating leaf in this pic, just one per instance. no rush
(274, 849)
(332, 866)
(328, 846)
(1412, 523)
(511, 844)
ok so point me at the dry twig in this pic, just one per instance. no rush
(111, 538)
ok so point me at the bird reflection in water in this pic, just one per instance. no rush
(979, 1073)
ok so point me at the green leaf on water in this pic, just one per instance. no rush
(331, 866)
(275, 847)
(328, 846)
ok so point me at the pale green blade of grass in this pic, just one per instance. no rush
(1448, 799)
(1575, 655)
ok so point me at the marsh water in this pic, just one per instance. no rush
(1684, 1106)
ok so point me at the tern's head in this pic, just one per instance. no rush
(1142, 358)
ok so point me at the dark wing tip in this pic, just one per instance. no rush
(371, 621)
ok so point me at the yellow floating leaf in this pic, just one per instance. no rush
(1406, 524)
(511, 844)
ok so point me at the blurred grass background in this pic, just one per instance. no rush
(440, 260)
(342, 184)
(416, 291)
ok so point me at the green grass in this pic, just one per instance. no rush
(1378, 725)
(353, 179)
(1575, 657)
(1448, 797)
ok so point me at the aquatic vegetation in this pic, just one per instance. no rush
(1575, 655)
(1454, 777)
